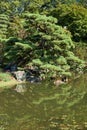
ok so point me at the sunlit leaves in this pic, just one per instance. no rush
(37, 62)
(24, 45)
(61, 60)
(4, 22)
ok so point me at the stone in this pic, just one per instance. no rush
(20, 75)
(58, 82)
(13, 68)
(33, 79)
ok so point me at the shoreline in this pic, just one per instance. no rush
(12, 82)
(8, 84)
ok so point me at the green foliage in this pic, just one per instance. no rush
(74, 17)
(16, 27)
(24, 46)
(4, 23)
(37, 62)
(83, 3)
(16, 7)
(46, 45)
(61, 60)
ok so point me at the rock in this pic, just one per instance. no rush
(33, 79)
(58, 82)
(13, 67)
(20, 75)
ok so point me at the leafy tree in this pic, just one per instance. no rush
(74, 17)
(46, 45)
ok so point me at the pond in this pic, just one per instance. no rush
(43, 106)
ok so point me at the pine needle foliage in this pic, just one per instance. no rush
(53, 44)
(4, 23)
(37, 41)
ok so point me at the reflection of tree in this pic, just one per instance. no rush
(20, 88)
(66, 95)
(44, 103)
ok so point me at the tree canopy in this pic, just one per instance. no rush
(31, 38)
(15, 7)
(43, 44)
(74, 17)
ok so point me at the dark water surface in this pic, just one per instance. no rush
(43, 106)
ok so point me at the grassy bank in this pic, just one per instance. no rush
(6, 80)
(7, 84)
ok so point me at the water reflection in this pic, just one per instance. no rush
(20, 88)
(43, 106)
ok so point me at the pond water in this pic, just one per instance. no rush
(43, 106)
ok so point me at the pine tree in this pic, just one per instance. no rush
(44, 45)
(4, 22)
(53, 46)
